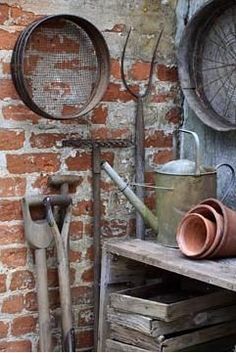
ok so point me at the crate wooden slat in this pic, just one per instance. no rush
(175, 343)
(221, 273)
(223, 344)
(115, 346)
(168, 304)
(153, 327)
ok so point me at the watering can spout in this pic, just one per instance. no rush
(147, 215)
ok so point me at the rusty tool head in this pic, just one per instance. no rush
(38, 232)
(104, 143)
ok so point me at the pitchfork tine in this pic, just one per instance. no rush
(153, 63)
(122, 66)
(151, 67)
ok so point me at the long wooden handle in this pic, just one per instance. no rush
(140, 165)
(45, 338)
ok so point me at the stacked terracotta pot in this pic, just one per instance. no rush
(208, 231)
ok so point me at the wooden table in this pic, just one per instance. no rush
(116, 270)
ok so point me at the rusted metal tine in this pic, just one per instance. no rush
(139, 132)
(132, 92)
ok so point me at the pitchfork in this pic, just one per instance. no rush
(139, 132)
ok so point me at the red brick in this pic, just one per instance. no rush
(13, 304)
(88, 275)
(174, 115)
(163, 157)
(11, 140)
(115, 69)
(12, 186)
(150, 177)
(166, 73)
(90, 253)
(22, 18)
(163, 97)
(22, 280)
(115, 93)
(83, 208)
(86, 317)
(75, 256)
(10, 210)
(84, 339)
(42, 183)
(105, 133)
(118, 28)
(31, 302)
(3, 325)
(4, 13)
(76, 230)
(16, 346)
(88, 229)
(83, 160)
(7, 39)
(3, 286)
(81, 295)
(99, 115)
(10, 234)
(140, 71)
(157, 138)
(23, 325)
(19, 113)
(6, 68)
(52, 278)
(72, 276)
(54, 299)
(46, 140)
(114, 228)
(13, 257)
(35, 162)
(150, 200)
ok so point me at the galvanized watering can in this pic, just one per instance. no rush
(180, 185)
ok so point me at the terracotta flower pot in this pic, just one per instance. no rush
(195, 234)
(227, 244)
(210, 213)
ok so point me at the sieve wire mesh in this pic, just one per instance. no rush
(60, 68)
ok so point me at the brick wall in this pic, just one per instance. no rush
(30, 151)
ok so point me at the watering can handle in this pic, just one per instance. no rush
(232, 181)
(197, 149)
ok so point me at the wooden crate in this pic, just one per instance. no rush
(225, 344)
(168, 303)
(173, 342)
(153, 327)
(160, 318)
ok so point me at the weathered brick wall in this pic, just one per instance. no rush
(30, 151)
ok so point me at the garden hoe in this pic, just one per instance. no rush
(39, 237)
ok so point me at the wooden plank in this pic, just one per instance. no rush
(177, 342)
(221, 273)
(104, 294)
(116, 273)
(115, 346)
(125, 270)
(129, 336)
(200, 336)
(152, 327)
(159, 302)
(136, 322)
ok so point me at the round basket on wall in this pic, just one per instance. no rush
(207, 64)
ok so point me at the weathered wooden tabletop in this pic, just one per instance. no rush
(221, 272)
